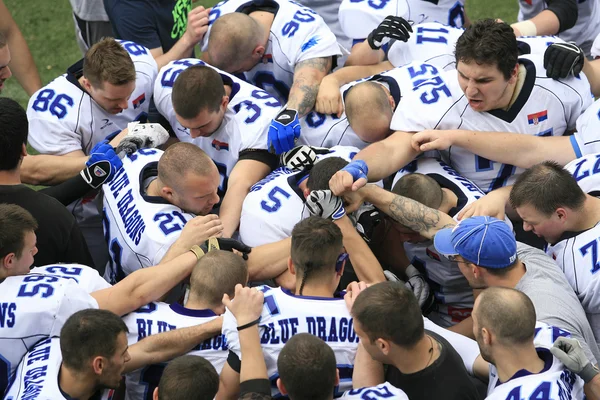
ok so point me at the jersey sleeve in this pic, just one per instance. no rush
(319, 41)
(384, 391)
(75, 299)
(229, 330)
(575, 97)
(163, 87)
(359, 18)
(48, 135)
(587, 138)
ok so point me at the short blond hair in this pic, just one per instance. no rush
(108, 61)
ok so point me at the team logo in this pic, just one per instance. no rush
(220, 145)
(139, 101)
(537, 117)
(106, 122)
(99, 172)
(267, 58)
(530, 2)
(310, 43)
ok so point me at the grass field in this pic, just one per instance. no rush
(48, 29)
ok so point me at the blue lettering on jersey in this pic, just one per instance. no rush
(276, 202)
(425, 35)
(133, 48)
(566, 384)
(332, 329)
(45, 288)
(593, 246)
(46, 101)
(582, 172)
(372, 393)
(470, 186)
(7, 315)
(278, 172)
(288, 328)
(215, 343)
(304, 15)
(131, 217)
(34, 378)
(375, 4)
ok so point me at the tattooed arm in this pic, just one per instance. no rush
(410, 213)
(307, 78)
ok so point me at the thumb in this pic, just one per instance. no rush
(226, 300)
(340, 110)
(358, 184)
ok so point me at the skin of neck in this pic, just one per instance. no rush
(77, 386)
(154, 188)
(449, 201)
(510, 359)
(513, 89)
(12, 177)
(316, 286)
(588, 217)
(196, 303)
(510, 279)
(410, 361)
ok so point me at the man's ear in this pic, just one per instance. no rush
(290, 265)
(98, 365)
(259, 51)
(281, 387)
(155, 394)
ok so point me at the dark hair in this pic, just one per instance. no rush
(421, 188)
(547, 186)
(488, 42)
(499, 271)
(196, 89)
(316, 246)
(188, 377)
(508, 313)
(216, 273)
(322, 171)
(108, 61)
(15, 222)
(307, 368)
(88, 334)
(14, 129)
(389, 311)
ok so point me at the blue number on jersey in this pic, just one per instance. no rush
(375, 4)
(542, 392)
(68, 272)
(580, 174)
(593, 246)
(222, 168)
(46, 288)
(271, 305)
(167, 225)
(373, 393)
(433, 95)
(456, 15)
(264, 79)
(304, 15)
(133, 48)
(147, 309)
(435, 35)
(143, 152)
(115, 252)
(426, 69)
(149, 377)
(506, 171)
(254, 110)
(168, 77)
(46, 101)
(273, 197)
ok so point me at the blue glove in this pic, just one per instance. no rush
(284, 131)
(102, 165)
(358, 169)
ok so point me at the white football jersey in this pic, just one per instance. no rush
(586, 139)
(544, 107)
(88, 278)
(64, 118)
(275, 204)
(384, 391)
(37, 374)
(245, 125)
(596, 47)
(298, 34)
(576, 253)
(285, 315)
(329, 130)
(586, 28)
(139, 229)
(360, 17)
(454, 296)
(161, 317)
(34, 307)
(555, 381)
(328, 10)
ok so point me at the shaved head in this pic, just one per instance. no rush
(421, 188)
(183, 158)
(233, 38)
(369, 111)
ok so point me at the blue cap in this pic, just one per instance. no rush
(484, 241)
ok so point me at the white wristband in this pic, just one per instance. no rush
(527, 28)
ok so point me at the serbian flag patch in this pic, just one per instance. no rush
(220, 145)
(538, 117)
(433, 255)
(139, 101)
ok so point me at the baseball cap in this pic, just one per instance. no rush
(484, 241)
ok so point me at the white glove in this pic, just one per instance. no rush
(417, 284)
(298, 158)
(142, 136)
(325, 204)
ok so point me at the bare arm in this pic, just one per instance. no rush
(367, 371)
(21, 64)
(363, 54)
(546, 23)
(408, 212)
(245, 174)
(145, 285)
(269, 261)
(592, 388)
(365, 264)
(591, 69)
(45, 169)
(509, 148)
(167, 345)
(307, 78)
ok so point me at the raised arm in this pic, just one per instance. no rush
(509, 148)
(410, 213)
(165, 346)
(558, 17)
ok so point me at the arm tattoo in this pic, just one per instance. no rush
(415, 215)
(303, 93)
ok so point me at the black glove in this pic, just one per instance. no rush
(226, 244)
(562, 59)
(392, 27)
(367, 217)
(298, 158)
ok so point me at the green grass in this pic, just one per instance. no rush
(48, 29)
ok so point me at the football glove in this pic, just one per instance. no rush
(366, 218)
(101, 166)
(142, 136)
(284, 131)
(563, 59)
(325, 204)
(391, 27)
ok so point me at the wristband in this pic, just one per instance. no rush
(197, 250)
(527, 28)
(587, 373)
(249, 324)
